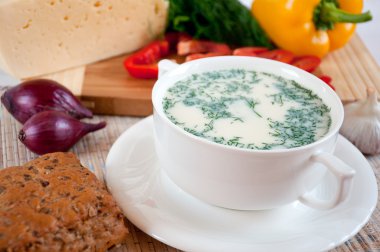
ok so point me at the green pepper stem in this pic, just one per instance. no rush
(327, 13)
(330, 13)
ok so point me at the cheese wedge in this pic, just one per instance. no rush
(42, 36)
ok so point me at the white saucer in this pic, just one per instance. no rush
(159, 208)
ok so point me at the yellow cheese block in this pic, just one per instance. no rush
(43, 36)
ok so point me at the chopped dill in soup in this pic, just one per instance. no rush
(247, 109)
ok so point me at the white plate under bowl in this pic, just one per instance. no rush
(153, 203)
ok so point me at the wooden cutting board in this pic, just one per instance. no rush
(106, 88)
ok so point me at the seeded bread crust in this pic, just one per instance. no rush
(53, 203)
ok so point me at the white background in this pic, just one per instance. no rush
(369, 32)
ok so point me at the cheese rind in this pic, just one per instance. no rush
(43, 36)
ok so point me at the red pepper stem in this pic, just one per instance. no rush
(330, 13)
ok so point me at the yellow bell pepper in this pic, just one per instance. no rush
(309, 27)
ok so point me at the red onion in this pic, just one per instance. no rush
(34, 96)
(52, 131)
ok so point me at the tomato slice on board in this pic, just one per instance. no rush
(327, 79)
(201, 46)
(174, 38)
(195, 56)
(307, 63)
(278, 54)
(197, 49)
(249, 51)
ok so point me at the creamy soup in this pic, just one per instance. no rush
(247, 109)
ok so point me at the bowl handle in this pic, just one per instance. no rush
(344, 175)
(165, 66)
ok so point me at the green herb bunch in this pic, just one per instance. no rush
(225, 21)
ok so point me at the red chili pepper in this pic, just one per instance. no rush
(143, 63)
(249, 51)
(307, 63)
(327, 79)
(278, 54)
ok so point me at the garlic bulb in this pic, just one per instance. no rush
(361, 123)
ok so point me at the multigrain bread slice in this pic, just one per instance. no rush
(53, 203)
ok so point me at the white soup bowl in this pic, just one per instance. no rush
(245, 179)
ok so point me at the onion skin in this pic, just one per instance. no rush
(34, 96)
(52, 131)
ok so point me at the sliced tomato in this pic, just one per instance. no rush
(174, 38)
(308, 63)
(195, 56)
(327, 79)
(190, 47)
(201, 46)
(278, 54)
(249, 51)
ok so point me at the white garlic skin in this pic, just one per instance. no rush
(361, 124)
